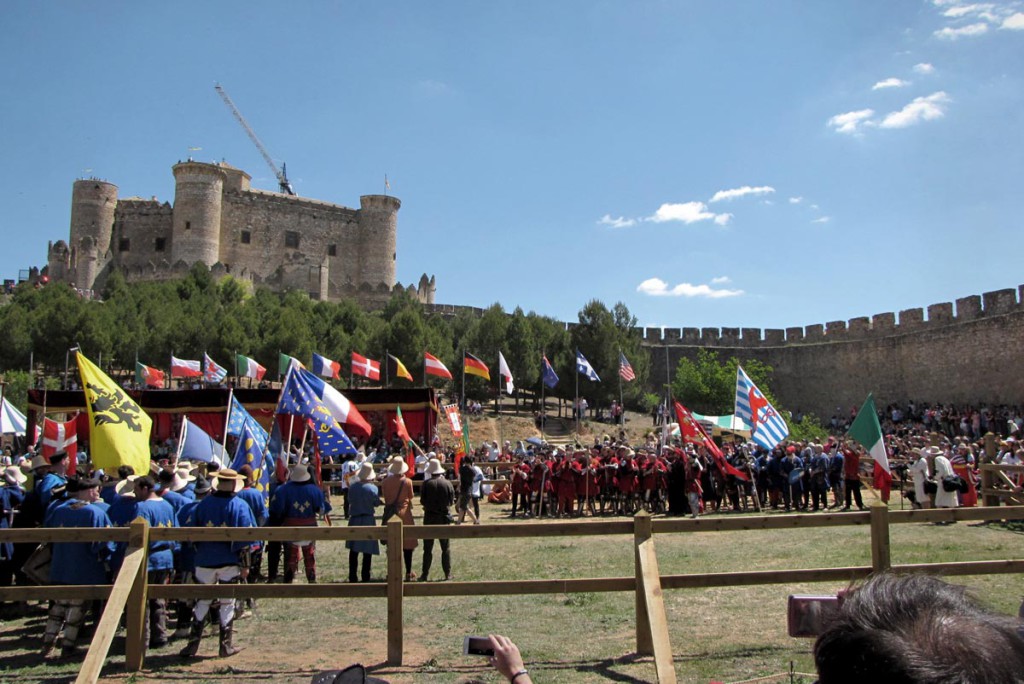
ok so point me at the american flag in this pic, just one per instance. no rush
(625, 370)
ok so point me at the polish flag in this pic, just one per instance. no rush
(61, 437)
(182, 368)
(368, 368)
(433, 366)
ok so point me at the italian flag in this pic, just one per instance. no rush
(248, 368)
(867, 431)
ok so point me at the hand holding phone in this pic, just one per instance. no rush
(478, 645)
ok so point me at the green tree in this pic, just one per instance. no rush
(708, 385)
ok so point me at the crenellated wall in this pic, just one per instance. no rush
(963, 352)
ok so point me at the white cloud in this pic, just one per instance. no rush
(957, 11)
(796, 200)
(890, 83)
(823, 219)
(721, 280)
(723, 219)
(656, 287)
(920, 109)
(814, 206)
(741, 192)
(620, 222)
(1014, 22)
(924, 68)
(969, 30)
(686, 212)
(850, 122)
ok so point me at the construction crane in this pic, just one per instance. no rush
(282, 173)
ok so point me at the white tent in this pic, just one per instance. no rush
(11, 419)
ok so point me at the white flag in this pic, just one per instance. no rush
(504, 371)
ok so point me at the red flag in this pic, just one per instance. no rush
(61, 437)
(403, 434)
(691, 432)
(454, 419)
(368, 368)
(433, 366)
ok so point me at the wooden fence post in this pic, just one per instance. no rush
(988, 480)
(395, 588)
(135, 646)
(881, 559)
(642, 531)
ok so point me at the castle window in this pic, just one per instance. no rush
(124, 245)
(291, 239)
(246, 237)
(188, 225)
(161, 243)
(332, 250)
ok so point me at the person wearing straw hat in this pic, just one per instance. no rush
(396, 491)
(219, 562)
(297, 503)
(436, 496)
(363, 498)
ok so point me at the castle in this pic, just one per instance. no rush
(271, 239)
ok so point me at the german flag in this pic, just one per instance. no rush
(474, 366)
(397, 369)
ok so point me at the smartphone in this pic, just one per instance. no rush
(807, 616)
(477, 645)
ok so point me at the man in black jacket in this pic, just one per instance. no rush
(436, 496)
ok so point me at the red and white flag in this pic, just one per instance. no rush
(368, 368)
(61, 437)
(433, 366)
(454, 419)
(505, 372)
(691, 431)
(183, 368)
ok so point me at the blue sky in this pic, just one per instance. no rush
(740, 164)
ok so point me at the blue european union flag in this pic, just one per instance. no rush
(249, 452)
(299, 399)
(548, 374)
(238, 418)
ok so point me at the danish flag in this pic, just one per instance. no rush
(60, 437)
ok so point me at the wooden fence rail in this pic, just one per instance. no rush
(130, 590)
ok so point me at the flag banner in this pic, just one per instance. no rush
(327, 368)
(403, 434)
(194, 444)
(276, 451)
(250, 452)
(212, 371)
(767, 428)
(340, 407)
(302, 395)
(548, 374)
(285, 362)
(625, 370)
(368, 368)
(474, 366)
(248, 368)
(119, 429)
(584, 368)
(433, 366)
(451, 412)
(238, 418)
(61, 437)
(505, 372)
(183, 368)
(867, 431)
(397, 369)
(693, 433)
(147, 376)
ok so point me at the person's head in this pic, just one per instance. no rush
(59, 462)
(917, 629)
(228, 481)
(88, 489)
(145, 487)
(434, 468)
(124, 471)
(14, 477)
(203, 487)
(247, 474)
(166, 479)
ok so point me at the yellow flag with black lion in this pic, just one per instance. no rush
(119, 430)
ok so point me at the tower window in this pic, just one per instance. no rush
(332, 250)
(124, 245)
(188, 225)
(161, 243)
(246, 237)
(291, 239)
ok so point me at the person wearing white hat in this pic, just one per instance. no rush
(436, 496)
(396, 491)
(919, 474)
(363, 498)
(944, 469)
(219, 562)
(297, 503)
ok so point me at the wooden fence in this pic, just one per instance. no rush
(130, 589)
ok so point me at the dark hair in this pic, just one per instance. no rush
(124, 471)
(918, 629)
(145, 481)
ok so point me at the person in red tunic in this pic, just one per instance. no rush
(588, 484)
(521, 488)
(627, 480)
(565, 475)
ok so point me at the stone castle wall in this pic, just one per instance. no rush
(962, 353)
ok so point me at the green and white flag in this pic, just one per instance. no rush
(867, 431)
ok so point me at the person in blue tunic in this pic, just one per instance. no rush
(185, 563)
(363, 497)
(219, 562)
(76, 563)
(12, 493)
(177, 501)
(56, 477)
(297, 503)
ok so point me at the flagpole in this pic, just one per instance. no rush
(497, 396)
(279, 365)
(576, 403)
(351, 371)
(622, 409)
(543, 413)
(238, 380)
(387, 368)
(463, 400)
(227, 417)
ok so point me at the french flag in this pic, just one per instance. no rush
(343, 410)
(325, 367)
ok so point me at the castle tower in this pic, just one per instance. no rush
(92, 223)
(378, 239)
(195, 231)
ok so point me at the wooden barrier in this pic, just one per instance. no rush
(130, 590)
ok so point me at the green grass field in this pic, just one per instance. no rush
(723, 634)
